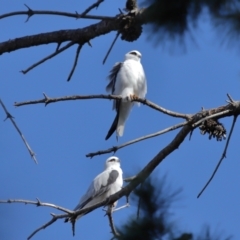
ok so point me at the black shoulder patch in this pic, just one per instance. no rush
(112, 177)
(112, 77)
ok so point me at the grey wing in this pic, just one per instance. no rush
(100, 185)
(113, 76)
(87, 197)
(108, 178)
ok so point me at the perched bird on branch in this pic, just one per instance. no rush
(128, 80)
(104, 185)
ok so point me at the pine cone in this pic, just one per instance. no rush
(130, 30)
(214, 129)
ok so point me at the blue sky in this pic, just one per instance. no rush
(180, 78)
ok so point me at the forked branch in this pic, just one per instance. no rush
(224, 155)
(38, 203)
(80, 35)
(141, 176)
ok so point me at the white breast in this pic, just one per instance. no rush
(131, 79)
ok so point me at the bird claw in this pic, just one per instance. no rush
(133, 97)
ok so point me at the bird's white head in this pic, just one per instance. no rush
(112, 161)
(134, 54)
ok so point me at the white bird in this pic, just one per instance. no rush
(128, 80)
(104, 185)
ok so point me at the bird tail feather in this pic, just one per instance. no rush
(112, 128)
(125, 110)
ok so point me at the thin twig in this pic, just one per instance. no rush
(54, 219)
(96, 4)
(75, 62)
(58, 50)
(32, 154)
(115, 148)
(222, 157)
(230, 98)
(38, 203)
(110, 49)
(102, 96)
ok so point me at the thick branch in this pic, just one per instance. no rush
(80, 36)
(232, 109)
(147, 170)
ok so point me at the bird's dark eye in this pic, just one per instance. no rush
(112, 160)
(133, 53)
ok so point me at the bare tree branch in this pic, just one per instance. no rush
(54, 219)
(211, 116)
(75, 15)
(222, 157)
(148, 169)
(141, 176)
(48, 57)
(163, 110)
(75, 62)
(32, 154)
(67, 98)
(38, 203)
(111, 223)
(230, 98)
(80, 35)
(222, 111)
(110, 49)
(102, 96)
(94, 5)
(115, 148)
